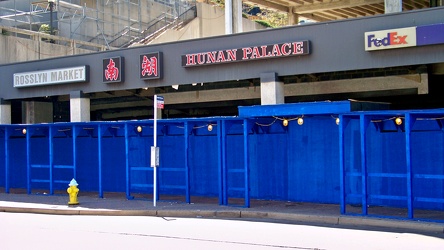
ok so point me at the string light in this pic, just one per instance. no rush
(210, 127)
(139, 129)
(300, 121)
(285, 122)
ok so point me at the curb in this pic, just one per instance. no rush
(391, 223)
(420, 226)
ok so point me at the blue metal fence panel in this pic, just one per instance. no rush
(203, 166)
(313, 161)
(375, 163)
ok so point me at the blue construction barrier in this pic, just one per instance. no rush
(365, 160)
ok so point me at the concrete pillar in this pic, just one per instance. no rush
(80, 108)
(37, 112)
(5, 112)
(228, 17)
(393, 6)
(293, 18)
(237, 16)
(233, 16)
(272, 90)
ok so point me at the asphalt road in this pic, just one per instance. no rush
(39, 231)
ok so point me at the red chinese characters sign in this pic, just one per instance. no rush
(112, 70)
(151, 66)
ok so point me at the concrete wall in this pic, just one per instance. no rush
(16, 49)
(210, 21)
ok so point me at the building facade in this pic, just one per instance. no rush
(284, 149)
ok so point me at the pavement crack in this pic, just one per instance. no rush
(212, 240)
(168, 219)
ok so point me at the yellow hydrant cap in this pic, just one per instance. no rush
(73, 183)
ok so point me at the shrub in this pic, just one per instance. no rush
(264, 23)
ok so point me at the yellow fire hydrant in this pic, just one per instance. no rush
(73, 191)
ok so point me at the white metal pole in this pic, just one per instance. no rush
(155, 145)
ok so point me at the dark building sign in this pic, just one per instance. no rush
(247, 53)
(151, 66)
(113, 70)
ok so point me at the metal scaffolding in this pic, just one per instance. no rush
(113, 23)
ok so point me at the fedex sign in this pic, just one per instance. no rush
(390, 39)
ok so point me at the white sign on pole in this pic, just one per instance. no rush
(154, 156)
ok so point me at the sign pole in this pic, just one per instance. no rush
(153, 164)
(158, 104)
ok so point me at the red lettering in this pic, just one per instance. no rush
(392, 37)
(149, 66)
(200, 58)
(402, 39)
(276, 50)
(231, 54)
(256, 53)
(211, 57)
(285, 49)
(298, 48)
(221, 56)
(264, 50)
(111, 71)
(191, 59)
(395, 39)
(246, 52)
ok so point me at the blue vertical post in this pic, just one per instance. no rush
(187, 167)
(408, 154)
(28, 160)
(363, 128)
(342, 164)
(51, 161)
(6, 160)
(127, 167)
(246, 165)
(224, 162)
(219, 164)
(74, 151)
(99, 143)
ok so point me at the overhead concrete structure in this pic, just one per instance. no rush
(323, 10)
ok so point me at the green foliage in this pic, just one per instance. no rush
(276, 19)
(44, 28)
(267, 17)
(264, 23)
(220, 3)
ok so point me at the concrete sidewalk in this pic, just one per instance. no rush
(293, 212)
